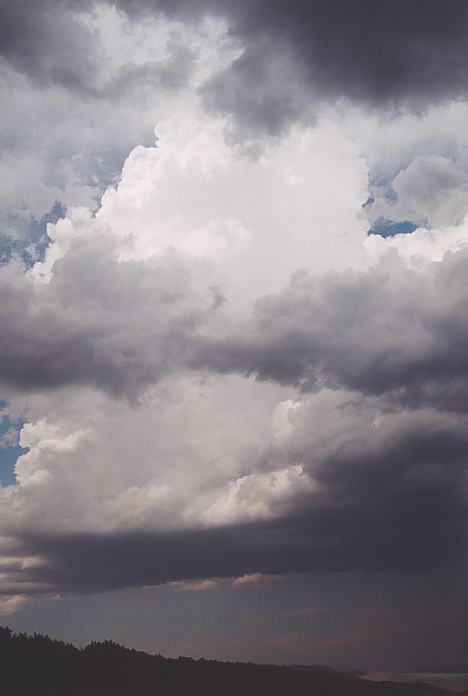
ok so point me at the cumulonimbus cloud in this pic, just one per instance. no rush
(169, 296)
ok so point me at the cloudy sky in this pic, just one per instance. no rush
(234, 330)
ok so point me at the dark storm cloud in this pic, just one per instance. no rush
(336, 542)
(389, 472)
(391, 54)
(114, 326)
(391, 330)
(396, 506)
(46, 42)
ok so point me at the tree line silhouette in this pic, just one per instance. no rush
(39, 666)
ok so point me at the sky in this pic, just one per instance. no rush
(233, 347)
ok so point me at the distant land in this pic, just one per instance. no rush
(39, 666)
(456, 682)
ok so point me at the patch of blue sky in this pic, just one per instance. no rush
(10, 448)
(29, 240)
(389, 228)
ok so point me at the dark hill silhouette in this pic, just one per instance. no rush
(39, 666)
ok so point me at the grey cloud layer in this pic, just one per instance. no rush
(391, 330)
(48, 43)
(391, 53)
(115, 326)
(45, 41)
(388, 54)
(389, 462)
(390, 473)
(398, 505)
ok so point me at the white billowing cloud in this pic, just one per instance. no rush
(250, 579)
(185, 457)
(44, 440)
(422, 246)
(390, 142)
(171, 197)
(298, 204)
(345, 423)
(255, 496)
(182, 464)
(169, 50)
(195, 454)
(79, 223)
(143, 71)
(283, 416)
(431, 191)
(193, 194)
(195, 585)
